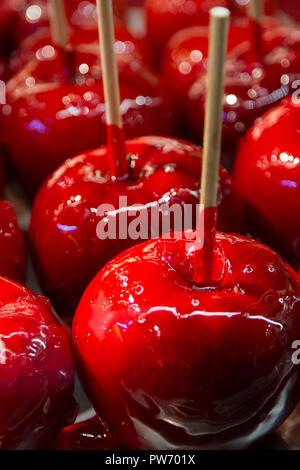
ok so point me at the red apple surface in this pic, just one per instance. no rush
(2, 177)
(63, 231)
(91, 434)
(36, 370)
(31, 15)
(12, 245)
(8, 22)
(51, 117)
(174, 364)
(39, 61)
(252, 85)
(39, 45)
(164, 18)
(267, 178)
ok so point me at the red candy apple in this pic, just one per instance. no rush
(36, 370)
(267, 178)
(172, 363)
(12, 245)
(164, 18)
(252, 84)
(2, 177)
(66, 249)
(48, 122)
(86, 435)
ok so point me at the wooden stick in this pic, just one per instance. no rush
(255, 10)
(115, 134)
(58, 23)
(219, 21)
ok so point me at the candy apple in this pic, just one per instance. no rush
(36, 370)
(267, 178)
(39, 45)
(190, 364)
(252, 85)
(8, 21)
(64, 242)
(31, 15)
(2, 177)
(167, 17)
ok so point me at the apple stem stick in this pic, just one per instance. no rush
(115, 132)
(58, 23)
(255, 14)
(219, 22)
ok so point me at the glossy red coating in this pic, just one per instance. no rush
(267, 177)
(36, 370)
(167, 17)
(47, 122)
(91, 434)
(8, 21)
(172, 364)
(31, 15)
(2, 177)
(251, 87)
(164, 18)
(65, 246)
(206, 237)
(37, 46)
(291, 8)
(12, 245)
(118, 163)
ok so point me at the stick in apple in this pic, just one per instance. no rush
(255, 13)
(219, 22)
(58, 23)
(115, 132)
(60, 35)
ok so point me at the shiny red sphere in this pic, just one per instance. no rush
(12, 245)
(36, 370)
(64, 242)
(252, 84)
(167, 17)
(267, 178)
(164, 18)
(28, 16)
(291, 8)
(175, 364)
